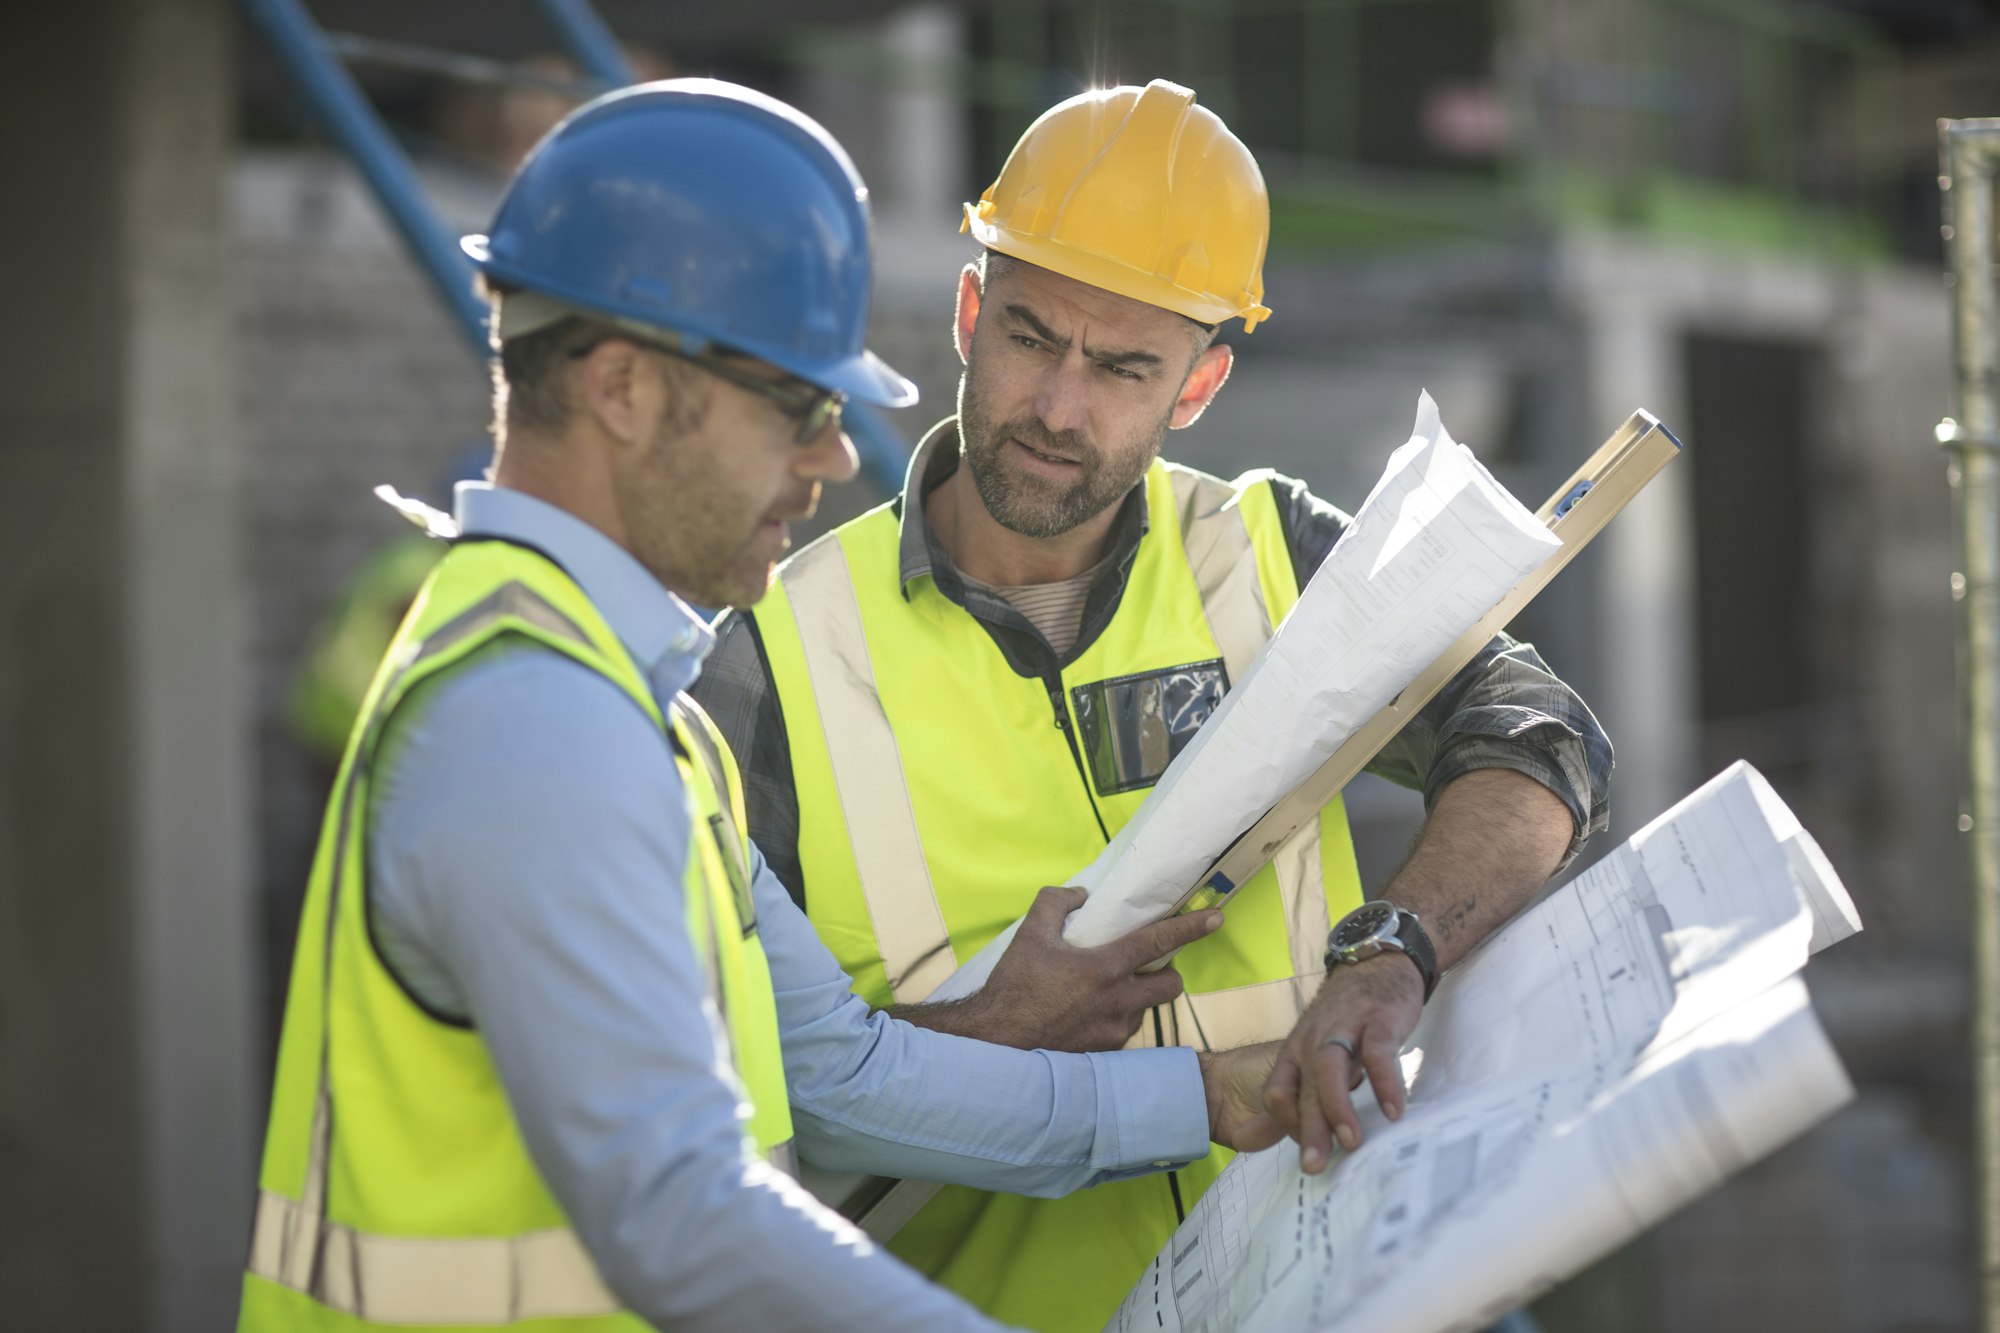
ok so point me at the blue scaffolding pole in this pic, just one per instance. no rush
(318, 71)
(349, 118)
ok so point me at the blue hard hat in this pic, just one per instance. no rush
(707, 209)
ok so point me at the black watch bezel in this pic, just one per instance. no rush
(1383, 925)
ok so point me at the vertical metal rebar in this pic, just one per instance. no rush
(1970, 152)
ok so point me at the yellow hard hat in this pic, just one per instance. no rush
(1140, 192)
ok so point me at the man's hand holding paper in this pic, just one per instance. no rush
(1046, 993)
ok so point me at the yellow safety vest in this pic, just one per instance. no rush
(938, 790)
(395, 1190)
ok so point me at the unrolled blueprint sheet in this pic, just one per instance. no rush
(1435, 546)
(1621, 1048)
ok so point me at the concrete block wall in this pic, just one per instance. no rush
(350, 374)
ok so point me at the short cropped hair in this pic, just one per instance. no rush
(531, 381)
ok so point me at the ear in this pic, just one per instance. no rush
(1210, 373)
(966, 315)
(617, 392)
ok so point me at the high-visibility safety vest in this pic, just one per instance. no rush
(939, 789)
(396, 1191)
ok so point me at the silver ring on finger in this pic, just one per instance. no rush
(1344, 1044)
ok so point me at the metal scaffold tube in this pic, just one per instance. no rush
(346, 114)
(588, 41)
(1970, 151)
(313, 60)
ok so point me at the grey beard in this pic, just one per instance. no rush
(1017, 511)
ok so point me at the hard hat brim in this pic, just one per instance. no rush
(865, 378)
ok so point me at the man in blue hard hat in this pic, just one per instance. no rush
(554, 1030)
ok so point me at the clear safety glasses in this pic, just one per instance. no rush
(813, 408)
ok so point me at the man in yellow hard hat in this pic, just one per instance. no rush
(973, 687)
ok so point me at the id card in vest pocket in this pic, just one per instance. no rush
(1131, 727)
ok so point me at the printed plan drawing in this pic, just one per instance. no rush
(1619, 1049)
(1437, 544)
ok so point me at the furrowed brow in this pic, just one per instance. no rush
(1022, 315)
(1124, 358)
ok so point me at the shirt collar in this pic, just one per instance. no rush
(920, 551)
(665, 636)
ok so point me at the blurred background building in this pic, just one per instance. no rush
(1548, 212)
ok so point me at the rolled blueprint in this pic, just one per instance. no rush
(1626, 1045)
(1436, 545)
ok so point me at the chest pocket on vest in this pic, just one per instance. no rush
(1131, 727)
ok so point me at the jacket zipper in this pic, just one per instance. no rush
(1077, 753)
(1054, 685)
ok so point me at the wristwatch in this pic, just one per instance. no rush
(1375, 926)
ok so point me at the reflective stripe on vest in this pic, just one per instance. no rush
(868, 777)
(824, 653)
(422, 1272)
(1231, 572)
(425, 1280)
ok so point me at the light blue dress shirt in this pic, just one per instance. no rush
(526, 842)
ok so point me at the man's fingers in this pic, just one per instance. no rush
(1332, 1076)
(1152, 942)
(1385, 1072)
(1155, 988)
(1052, 906)
(1281, 1092)
(1315, 1144)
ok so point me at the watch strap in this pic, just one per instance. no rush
(1417, 944)
(1411, 938)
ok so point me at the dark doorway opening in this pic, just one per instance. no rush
(1761, 685)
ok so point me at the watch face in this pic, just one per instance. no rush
(1367, 922)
